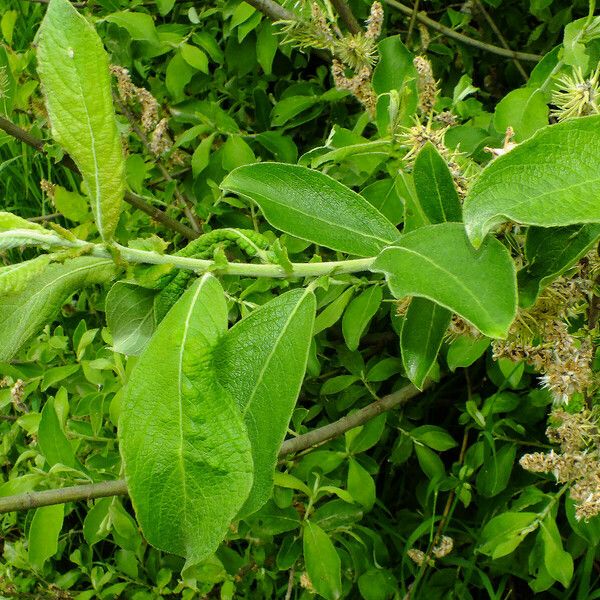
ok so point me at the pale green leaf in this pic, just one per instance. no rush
(550, 180)
(23, 315)
(130, 317)
(313, 207)
(502, 534)
(437, 262)
(361, 485)
(261, 362)
(140, 26)
(186, 453)
(322, 562)
(9, 221)
(557, 561)
(14, 278)
(73, 69)
(194, 57)
(43, 534)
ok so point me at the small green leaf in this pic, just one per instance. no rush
(194, 57)
(73, 69)
(186, 453)
(496, 469)
(435, 188)
(261, 362)
(236, 153)
(465, 350)
(331, 313)
(9, 221)
(15, 278)
(423, 330)
(504, 533)
(322, 562)
(384, 196)
(72, 205)
(266, 46)
(130, 317)
(437, 262)
(43, 534)
(140, 26)
(557, 561)
(314, 207)
(23, 315)
(96, 525)
(524, 110)
(359, 313)
(361, 485)
(201, 156)
(434, 437)
(551, 180)
(53, 443)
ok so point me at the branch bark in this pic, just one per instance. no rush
(347, 16)
(136, 201)
(407, 10)
(271, 9)
(308, 440)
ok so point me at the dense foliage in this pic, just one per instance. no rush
(365, 228)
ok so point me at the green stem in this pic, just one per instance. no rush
(132, 255)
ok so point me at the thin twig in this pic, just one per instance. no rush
(75, 4)
(271, 9)
(303, 442)
(136, 201)
(347, 16)
(48, 217)
(413, 18)
(407, 10)
(500, 36)
(290, 585)
(184, 202)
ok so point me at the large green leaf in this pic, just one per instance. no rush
(551, 180)
(423, 331)
(435, 187)
(23, 315)
(314, 207)
(437, 262)
(549, 253)
(73, 69)
(43, 534)
(130, 317)
(322, 562)
(186, 453)
(261, 362)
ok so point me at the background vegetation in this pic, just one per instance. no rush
(425, 501)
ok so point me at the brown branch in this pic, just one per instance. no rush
(461, 37)
(347, 16)
(302, 442)
(500, 36)
(271, 9)
(184, 202)
(136, 201)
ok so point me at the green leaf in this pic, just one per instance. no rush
(72, 205)
(332, 312)
(504, 533)
(236, 153)
(551, 180)
(361, 485)
(140, 26)
(497, 466)
(8, 84)
(359, 313)
(551, 252)
(465, 350)
(14, 278)
(266, 46)
(9, 221)
(186, 453)
(525, 110)
(383, 195)
(201, 156)
(53, 443)
(313, 207)
(435, 187)
(96, 525)
(179, 73)
(194, 57)
(73, 69)
(43, 534)
(423, 330)
(23, 315)
(130, 317)
(322, 562)
(557, 561)
(261, 362)
(437, 262)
